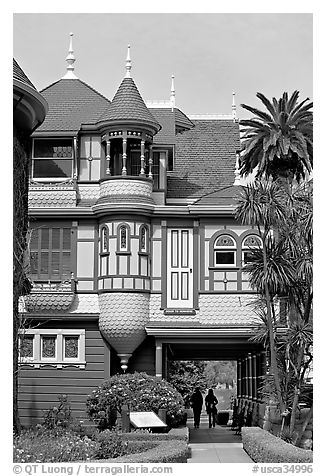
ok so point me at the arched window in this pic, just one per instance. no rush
(225, 251)
(143, 239)
(250, 243)
(123, 238)
(104, 240)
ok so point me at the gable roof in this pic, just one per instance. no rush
(128, 105)
(71, 103)
(205, 158)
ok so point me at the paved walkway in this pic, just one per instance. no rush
(215, 445)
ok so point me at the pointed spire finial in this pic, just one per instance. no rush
(237, 170)
(128, 64)
(234, 107)
(70, 59)
(172, 97)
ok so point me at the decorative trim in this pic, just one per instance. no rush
(59, 360)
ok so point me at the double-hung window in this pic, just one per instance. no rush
(52, 160)
(225, 251)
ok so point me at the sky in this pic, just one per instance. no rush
(210, 54)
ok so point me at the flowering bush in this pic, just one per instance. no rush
(58, 416)
(48, 446)
(111, 445)
(140, 392)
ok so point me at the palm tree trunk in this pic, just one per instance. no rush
(304, 426)
(296, 389)
(274, 367)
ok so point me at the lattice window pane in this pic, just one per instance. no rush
(224, 240)
(143, 239)
(252, 241)
(71, 347)
(105, 245)
(49, 346)
(123, 238)
(26, 346)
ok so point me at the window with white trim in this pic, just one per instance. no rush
(143, 239)
(58, 347)
(225, 249)
(123, 238)
(104, 240)
(52, 159)
(90, 153)
(249, 244)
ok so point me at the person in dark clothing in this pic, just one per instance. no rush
(210, 403)
(196, 404)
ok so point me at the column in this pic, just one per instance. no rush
(243, 377)
(158, 359)
(150, 162)
(254, 377)
(108, 157)
(75, 172)
(250, 375)
(238, 378)
(142, 158)
(124, 157)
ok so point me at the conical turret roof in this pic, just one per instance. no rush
(128, 105)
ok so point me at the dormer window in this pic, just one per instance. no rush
(52, 159)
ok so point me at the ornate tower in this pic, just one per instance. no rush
(124, 210)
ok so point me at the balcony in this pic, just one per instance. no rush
(126, 191)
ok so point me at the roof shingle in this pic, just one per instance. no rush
(128, 104)
(19, 74)
(71, 103)
(205, 159)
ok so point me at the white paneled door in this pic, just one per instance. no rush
(180, 268)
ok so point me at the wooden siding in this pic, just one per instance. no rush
(143, 359)
(39, 388)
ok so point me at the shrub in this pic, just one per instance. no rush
(140, 392)
(173, 451)
(141, 435)
(263, 447)
(48, 446)
(110, 445)
(58, 416)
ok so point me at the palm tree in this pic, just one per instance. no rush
(282, 267)
(279, 142)
(263, 205)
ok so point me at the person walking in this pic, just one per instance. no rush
(196, 404)
(211, 403)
